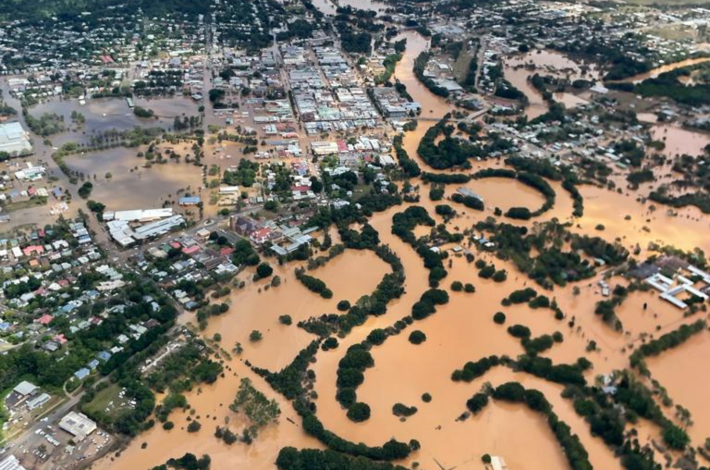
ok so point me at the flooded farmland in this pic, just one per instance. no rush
(122, 182)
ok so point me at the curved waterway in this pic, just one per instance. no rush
(460, 331)
(662, 69)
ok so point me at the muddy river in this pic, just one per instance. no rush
(460, 331)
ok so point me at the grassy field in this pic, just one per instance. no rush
(16, 206)
(461, 66)
(102, 400)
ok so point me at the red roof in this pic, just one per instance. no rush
(261, 234)
(45, 319)
(226, 251)
(33, 249)
(190, 250)
(60, 338)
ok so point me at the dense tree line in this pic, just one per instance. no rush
(450, 151)
(391, 287)
(409, 166)
(420, 64)
(313, 284)
(403, 224)
(290, 458)
(575, 452)
(669, 340)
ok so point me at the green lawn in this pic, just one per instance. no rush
(16, 206)
(103, 398)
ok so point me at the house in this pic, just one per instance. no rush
(261, 236)
(104, 355)
(203, 234)
(82, 373)
(244, 225)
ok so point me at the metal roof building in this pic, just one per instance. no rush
(78, 425)
(14, 140)
(10, 463)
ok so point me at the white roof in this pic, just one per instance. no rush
(25, 388)
(13, 138)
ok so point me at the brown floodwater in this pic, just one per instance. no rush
(460, 331)
(663, 69)
(545, 62)
(505, 193)
(132, 186)
(680, 141)
(681, 372)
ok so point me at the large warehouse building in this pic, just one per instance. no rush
(14, 140)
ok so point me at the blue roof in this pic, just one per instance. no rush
(82, 373)
(104, 355)
(189, 200)
(4, 326)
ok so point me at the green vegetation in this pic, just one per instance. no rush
(312, 459)
(244, 175)
(575, 452)
(667, 341)
(187, 462)
(420, 64)
(403, 224)
(409, 166)
(258, 409)
(474, 370)
(313, 284)
(143, 112)
(668, 85)
(450, 151)
(551, 265)
(417, 337)
(46, 125)
(403, 411)
(85, 190)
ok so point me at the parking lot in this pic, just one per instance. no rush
(50, 447)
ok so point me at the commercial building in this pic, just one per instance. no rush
(125, 235)
(139, 215)
(78, 425)
(25, 389)
(14, 140)
(10, 463)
